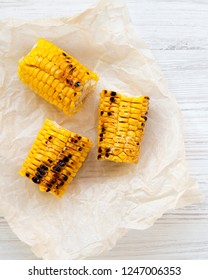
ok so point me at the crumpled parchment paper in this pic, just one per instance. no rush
(106, 199)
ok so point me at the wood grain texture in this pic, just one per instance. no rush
(176, 31)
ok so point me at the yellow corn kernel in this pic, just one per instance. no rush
(59, 87)
(45, 89)
(51, 91)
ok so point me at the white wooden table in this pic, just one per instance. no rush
(177, 33)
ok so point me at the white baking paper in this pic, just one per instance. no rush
(105, 199)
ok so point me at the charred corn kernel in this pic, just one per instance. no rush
(121, 126)
(55, 158)
(48, 64)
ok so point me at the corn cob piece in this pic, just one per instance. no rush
(121, 126)
(56, 76)
(55, 158)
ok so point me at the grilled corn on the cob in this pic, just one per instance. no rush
(121, 126)
(55, 158)
(56, 76)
